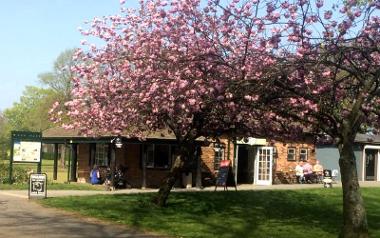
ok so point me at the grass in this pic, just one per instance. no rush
(271, 213)
(46, 167)
(54, 186)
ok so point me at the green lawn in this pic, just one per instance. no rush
(46, 167)
(276, 213)
(54, 186)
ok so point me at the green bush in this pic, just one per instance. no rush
(20, 175)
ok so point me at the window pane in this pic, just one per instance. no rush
(101, 154)
(303, 154)
(161, 156)
(218, 156)
(291, 154)
(149, 160)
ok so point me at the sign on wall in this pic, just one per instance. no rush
(37, 185)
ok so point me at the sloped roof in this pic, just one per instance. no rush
(59, 132)
(367, 139)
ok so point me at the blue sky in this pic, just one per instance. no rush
(34, 33)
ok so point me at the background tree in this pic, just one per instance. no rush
(59, 80)
(31, 113)
(4, 136)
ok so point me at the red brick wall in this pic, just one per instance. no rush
(132, 157)
(283, 164)
(208, 155)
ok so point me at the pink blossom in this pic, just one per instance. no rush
(326, 73)
(319, 3)
(328, 14)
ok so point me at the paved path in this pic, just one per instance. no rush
(59, 193)
(22, 218)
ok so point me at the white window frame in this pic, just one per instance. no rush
(304, 152)
(293, 154)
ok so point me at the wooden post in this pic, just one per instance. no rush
(143, 158)
(68, 166)
(55, 165)
(236, 161)
(113, 163)
(74, 160)
(11, 162)
(198, 181)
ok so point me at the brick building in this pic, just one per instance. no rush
(254, 161)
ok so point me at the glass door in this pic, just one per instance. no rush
(263, 165)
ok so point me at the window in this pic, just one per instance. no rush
(303, 154)
(291, 154)
(219, 155)
(158, 156)
(101, 154)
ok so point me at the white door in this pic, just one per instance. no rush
(263, 166)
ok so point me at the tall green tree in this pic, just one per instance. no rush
(60, 78)
(32, 111)
(4, 136)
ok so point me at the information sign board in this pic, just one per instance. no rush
(27, 151)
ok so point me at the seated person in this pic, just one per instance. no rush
(95, 175)
(307, 172)
(299, 172)
(318, 170)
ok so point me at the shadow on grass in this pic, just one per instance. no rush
(250, 213)
(280, 213)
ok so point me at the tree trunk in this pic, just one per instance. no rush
(354, 214)
(185, 156)
(166, 186)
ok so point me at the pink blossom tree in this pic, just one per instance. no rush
(272, 68)
(169, 65)
(326, 80)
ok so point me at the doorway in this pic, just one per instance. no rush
(245, 164)
(370, 164)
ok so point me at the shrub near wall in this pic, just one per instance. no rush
(20, 175)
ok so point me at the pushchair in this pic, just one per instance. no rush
(116, 180)
(327, 178)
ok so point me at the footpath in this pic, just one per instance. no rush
(20, 217)
(23, 194)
